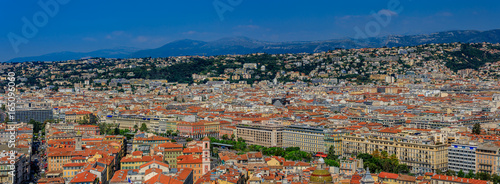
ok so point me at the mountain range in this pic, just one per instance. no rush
(244, 45)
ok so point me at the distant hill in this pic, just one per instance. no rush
(243, 45)
(492, 36)
(120, 52)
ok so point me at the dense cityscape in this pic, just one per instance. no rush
(416, 114)
(250, 92)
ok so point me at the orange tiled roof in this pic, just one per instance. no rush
(84, 177)
(458, 179)
(189, 159)
(388, 175)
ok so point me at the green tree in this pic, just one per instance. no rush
(476, 129)
(279, 152)
(225, 137)
(384, 154)
(175, 133)
(136, 128)
(376, 154)
(373, 167)
(298, 155)
(483, 176)
(461, 173)
(37, 126)
(450, 172)
(331, 153)
(387, 165)
(403, 168)
(331, 162)
(232, 136)
(289, 149)
(215, 151)
(394, 159)
(144, 127)
(495, 178)
(189, 139)
(438, 171)
(117, 131)
(470, 174)
(102, 128)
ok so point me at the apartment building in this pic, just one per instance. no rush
(170, 152)
(419, 154)
(165, 125)
(40, 115)
(334, 138)
(128, 122)
(60, 127)
(350, 165)
(227, 130)
(462, 157)
(268, 135)
(76, 116)
(21, 169)
(388, 121)
(88, 129)
(307, 138)
(487, 158)
(136, 160)
(199, 129)
(70, 170)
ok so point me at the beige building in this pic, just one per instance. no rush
(420, 155)
(487, 158)
(125, 122)
(307, 138)
(76, 116)
(268, 135)
(334, 138)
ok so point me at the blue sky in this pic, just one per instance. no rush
(91, 25)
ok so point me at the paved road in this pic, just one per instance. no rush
(38, 160)
(2, 115)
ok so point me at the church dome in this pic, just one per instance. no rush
(321, 161)
(321, 176)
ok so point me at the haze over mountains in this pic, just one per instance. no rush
(243, 45)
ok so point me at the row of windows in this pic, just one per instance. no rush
(452, 162)
(171, 156)
(71, 168)
(70, 173)
(303, 140)
(186, 165)
(462, 151)
(130, 167)
(461, 158)
(126, 163)
(490, 162)
(486, 156)
(301, 135)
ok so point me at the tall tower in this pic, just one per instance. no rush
(78, 141)
(206, 155)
